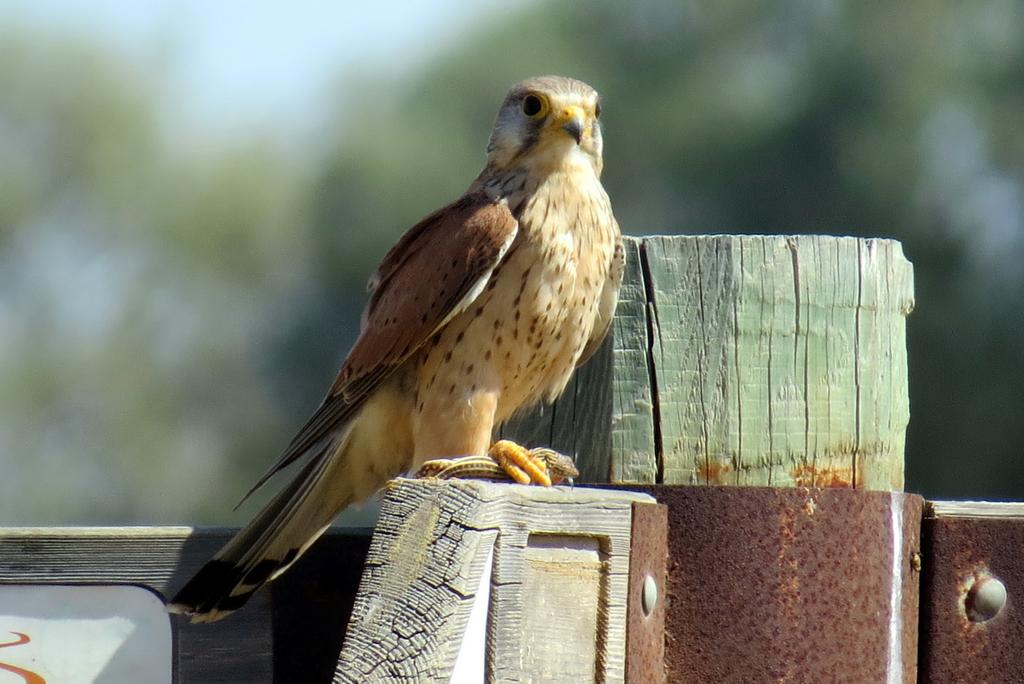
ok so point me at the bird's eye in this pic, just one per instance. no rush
(533, 106)
(597, 110)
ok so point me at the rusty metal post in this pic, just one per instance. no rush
(793, 584)
(972, 626)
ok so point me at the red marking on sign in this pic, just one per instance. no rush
(29, 676)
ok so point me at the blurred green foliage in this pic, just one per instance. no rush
(172, 309)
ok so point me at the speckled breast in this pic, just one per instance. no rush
(559, 270)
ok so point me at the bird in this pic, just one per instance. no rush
(482, 309)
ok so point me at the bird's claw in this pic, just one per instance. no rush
(541, 466)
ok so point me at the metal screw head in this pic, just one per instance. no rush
(649, 598)
(985, 598)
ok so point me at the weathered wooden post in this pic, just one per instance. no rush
(745, 360)
(470, 581)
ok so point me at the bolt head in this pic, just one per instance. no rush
(649, 597)
(985, 598)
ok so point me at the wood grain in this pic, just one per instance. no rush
(974, 509)
(745, 360)
(556, 600)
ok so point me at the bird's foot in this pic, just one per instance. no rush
(540, 466)
(504, 460)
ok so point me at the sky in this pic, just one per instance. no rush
(258, 62)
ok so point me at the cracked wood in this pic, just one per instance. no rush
(745, 360)
(555, 598)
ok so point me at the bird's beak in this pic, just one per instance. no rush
(571, 120)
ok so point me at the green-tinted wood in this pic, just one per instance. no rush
(797, 372)
(635, 456)
(746, 360)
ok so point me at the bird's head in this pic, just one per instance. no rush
(547, 122)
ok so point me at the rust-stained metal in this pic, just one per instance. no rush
(793, 585)
(809, 475)
(969, 549)
(645, 609)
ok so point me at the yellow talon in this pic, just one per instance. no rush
(516, 473)
(519, 463)
(499, 465)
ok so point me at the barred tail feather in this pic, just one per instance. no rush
(268, 545)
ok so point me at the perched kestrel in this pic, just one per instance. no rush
(483, 308)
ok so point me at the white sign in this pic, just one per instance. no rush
(55, 634)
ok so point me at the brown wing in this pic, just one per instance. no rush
(606, 307)
(434, 272)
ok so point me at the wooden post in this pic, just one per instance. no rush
(745, 360)
(465, 578)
